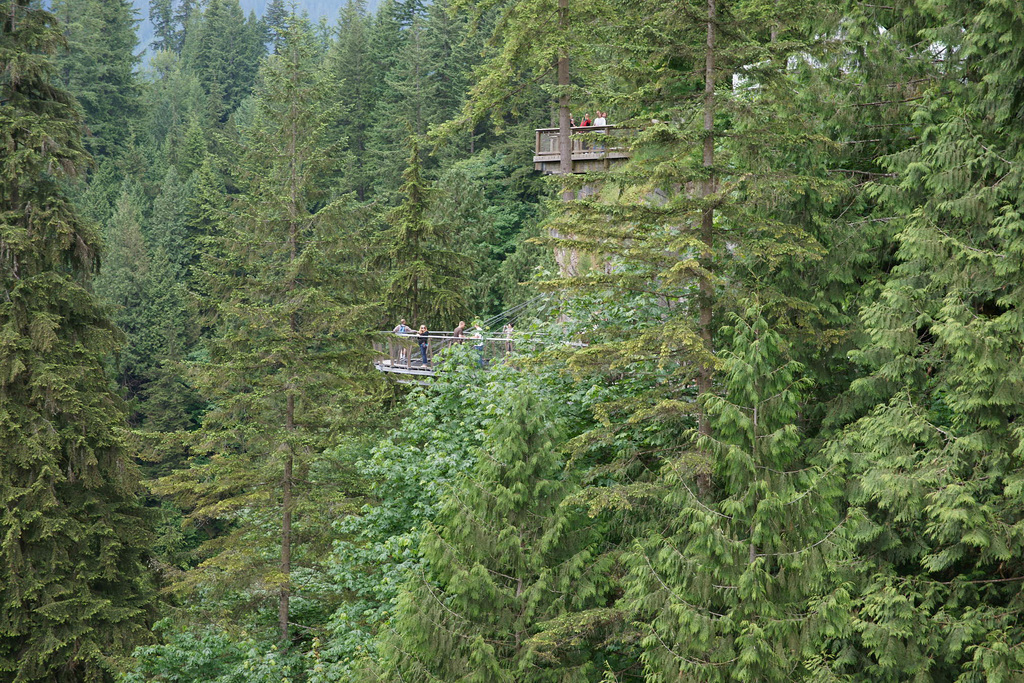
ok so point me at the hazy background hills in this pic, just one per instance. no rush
(315, 8)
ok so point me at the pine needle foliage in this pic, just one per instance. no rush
(423, 278)
(505, 559)
(75, 593)
(288, 366)
(740, 583)
(936, 467)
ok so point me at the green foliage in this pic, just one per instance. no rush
(358, 87)
(75, 592)
(209, 655)
(223, 50)
(741, 582)
(285, 367)
(424, 280)
(853, 167)
(935, 466)
(406, 473)
(476, 203)
(99, 67)
(503, 558)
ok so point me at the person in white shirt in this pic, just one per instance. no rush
(601, 120)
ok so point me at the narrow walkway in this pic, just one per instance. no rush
(401, 353)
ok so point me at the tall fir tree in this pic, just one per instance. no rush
(287, 360)
(423, 278)
(75, 591)
(406, 107)
(351, 62)
(935, 466)
(147, 302)
(223, 50)
(742, 583)
(275, 18)
(161, 15)
(99, 68)
(505, 558)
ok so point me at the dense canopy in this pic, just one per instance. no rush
(756, 414)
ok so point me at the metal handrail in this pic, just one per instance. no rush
(401, 351)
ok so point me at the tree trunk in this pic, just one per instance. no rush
(286, 533)
(706, 297)
(564, 256)
(564, 127)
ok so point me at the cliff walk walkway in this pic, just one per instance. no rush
(401, 355)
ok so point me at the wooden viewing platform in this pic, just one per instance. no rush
(400, 353)
(597, 149)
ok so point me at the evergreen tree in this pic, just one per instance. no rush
(702, 213)
(405, 108)
(139, 284)
(75, 593)
(125, 285)
(505, 558)
(740, 584)
(204, 211)
(485, 217)
(935, 467)
(161, 15)
(275, 18)
(186, 17)
(99, 67)
(424, 87)
(223, 51)
(422, 276)
(168, 229)
(351, 61)
(285, 368)
(172, 99)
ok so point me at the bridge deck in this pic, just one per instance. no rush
(400, 354)
(594, 148)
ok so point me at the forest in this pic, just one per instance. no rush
(756, 417)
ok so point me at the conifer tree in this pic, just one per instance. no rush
(168, 228)
(75, 594)
(187, 16)
(701, 212)
(161, 15)
(286, 361)
(352, 64)
(405, 108)
(504, 560)
(935, 467)
(126, 285)
(204, 213)
(223, 51)
(99, 67)
(740, 584)
(424, 87)
(275, 18)
(422, 275)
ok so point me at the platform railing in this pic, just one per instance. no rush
(401, 352)
(584, 139)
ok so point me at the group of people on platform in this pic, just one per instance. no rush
(599, 120)
(458, 335)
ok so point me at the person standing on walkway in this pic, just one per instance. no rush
(401, 329)
(508, 330)
(423, 337)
